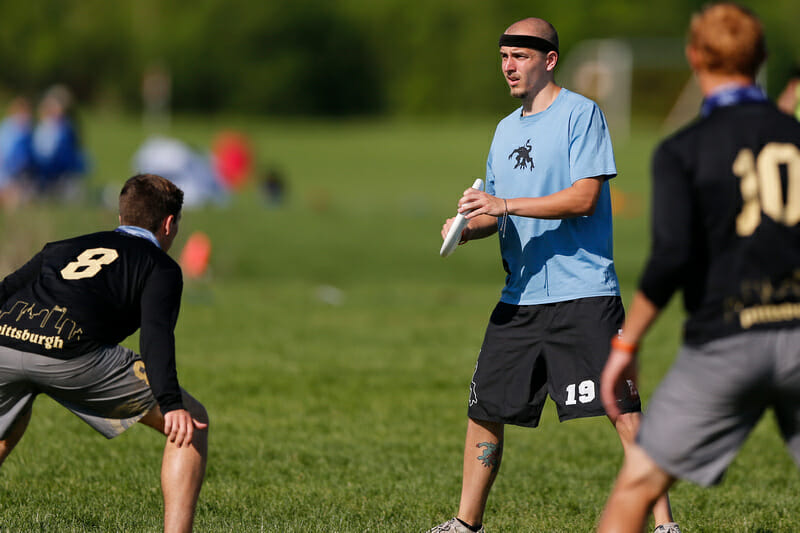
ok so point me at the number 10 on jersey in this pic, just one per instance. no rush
(760, 185)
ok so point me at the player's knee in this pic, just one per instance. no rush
(195, 408)
(642, 475)
(200, 414)
(495, 428)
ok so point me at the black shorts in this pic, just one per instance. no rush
(558, 348)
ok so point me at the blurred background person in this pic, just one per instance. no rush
(58, 156)
(232, 157)
(273, 187)
(190, 169)
(16, 151)
(156, 95)
(207, 177)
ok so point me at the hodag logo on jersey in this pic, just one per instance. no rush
(523, 154)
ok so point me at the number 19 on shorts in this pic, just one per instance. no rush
(583, 392)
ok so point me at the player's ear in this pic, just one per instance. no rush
(551, 59)
(693, 57)
(169, 225)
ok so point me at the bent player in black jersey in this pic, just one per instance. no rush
(726, 231)
(62, 317)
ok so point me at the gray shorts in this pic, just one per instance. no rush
(107, 388)
(714, 395)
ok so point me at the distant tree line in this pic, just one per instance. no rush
(316, 57)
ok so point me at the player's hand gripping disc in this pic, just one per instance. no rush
(454, 234)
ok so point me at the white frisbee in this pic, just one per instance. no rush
(454, 233)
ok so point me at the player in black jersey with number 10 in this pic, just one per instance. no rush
(726, 231)
(62, 317)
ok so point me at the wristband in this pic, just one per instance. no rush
(628, 347)
(505, 218)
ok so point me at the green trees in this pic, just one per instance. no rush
(312, 57)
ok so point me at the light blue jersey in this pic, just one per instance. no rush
(537, 155)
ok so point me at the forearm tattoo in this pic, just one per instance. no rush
(492, 454)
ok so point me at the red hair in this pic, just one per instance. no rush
(728, 39)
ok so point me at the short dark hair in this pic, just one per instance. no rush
(147, 199)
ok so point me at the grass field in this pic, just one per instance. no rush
(333, 348)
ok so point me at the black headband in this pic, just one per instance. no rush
(527, 41)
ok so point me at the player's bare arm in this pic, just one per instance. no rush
(577, 200)
(621, 365)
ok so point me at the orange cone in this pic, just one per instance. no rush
(195, 255)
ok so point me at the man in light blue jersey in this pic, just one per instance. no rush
(547, 196)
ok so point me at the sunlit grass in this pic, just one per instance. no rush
(333, 348)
